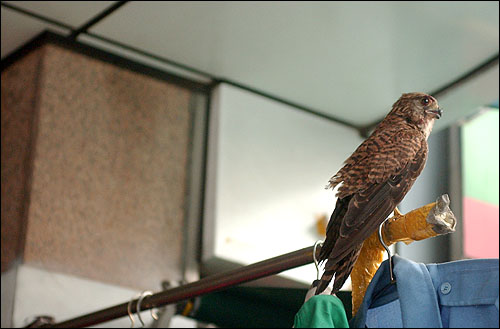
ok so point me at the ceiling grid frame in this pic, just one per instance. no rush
(116, 6)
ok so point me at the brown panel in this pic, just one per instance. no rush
(109, 175)
(19, 95)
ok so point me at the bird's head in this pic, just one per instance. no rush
(418, 109)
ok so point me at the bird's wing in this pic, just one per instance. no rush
(382, 181)
(378, 158)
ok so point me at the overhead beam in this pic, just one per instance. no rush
(96, 19)
(482, 67)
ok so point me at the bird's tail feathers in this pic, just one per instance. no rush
(333, 227)
(340, 268)
(326, 278)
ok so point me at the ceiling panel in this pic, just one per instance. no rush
(17, 29)
(463, 101)
(351, 60)
(74, 13)
(348, 59)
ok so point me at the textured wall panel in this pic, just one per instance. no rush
(19, 99)
(109, 172)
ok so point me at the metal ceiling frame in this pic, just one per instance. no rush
(469, 75)
(84, 28)
(363, 130)
(82, 48)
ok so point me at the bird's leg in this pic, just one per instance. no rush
(428, 221)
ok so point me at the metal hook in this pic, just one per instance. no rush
(138, 308)
(154, 314)
(129, 311)
(318, 242)
(387, 250)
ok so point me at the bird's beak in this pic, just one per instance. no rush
(436, 112)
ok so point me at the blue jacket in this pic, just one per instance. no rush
(449, 295)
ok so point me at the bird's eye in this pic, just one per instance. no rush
(425, 101)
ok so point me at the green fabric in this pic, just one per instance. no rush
(255, 307)
(321, 311)
(250, 307)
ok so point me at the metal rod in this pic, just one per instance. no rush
(206, 285)
(37, 16)
(96, 19)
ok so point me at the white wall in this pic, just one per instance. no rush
(41, 292)
(268, 166)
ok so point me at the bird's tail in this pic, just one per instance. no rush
(332, 230)
(341, 269)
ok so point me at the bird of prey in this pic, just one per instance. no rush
(374, 180)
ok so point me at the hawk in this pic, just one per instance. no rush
(374, 180)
